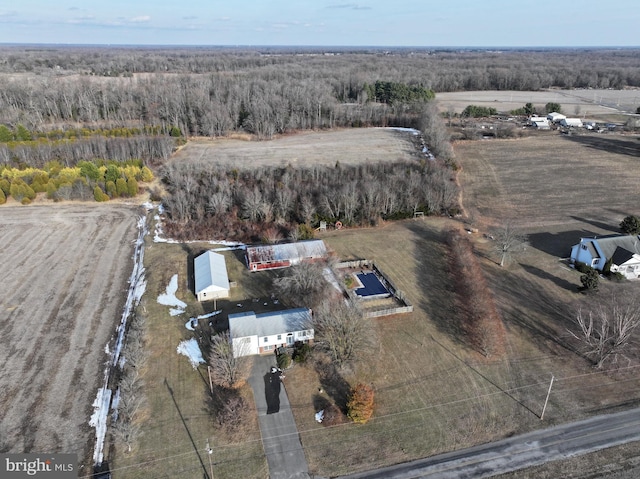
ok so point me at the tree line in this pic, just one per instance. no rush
(269, 202)
(212, 92)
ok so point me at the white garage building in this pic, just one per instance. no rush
(211, 280)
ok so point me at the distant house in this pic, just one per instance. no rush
(622, 251)
(555, 117)
(253, 333)
(284, 255)
(211, 280)
(571, 122)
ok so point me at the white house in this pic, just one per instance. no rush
(572, 122)
(211, 280)
(555, 117)
(622, 250)
(253, 333)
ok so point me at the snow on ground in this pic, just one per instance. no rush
(137, 286)
(168, 298)
(191, 350)
(193, 322)
(158, 234)
(209, 315)
(99, 420)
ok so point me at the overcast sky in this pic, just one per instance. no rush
(323, 22)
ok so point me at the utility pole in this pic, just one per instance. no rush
(210, 451)
(547, 399)
(210, 382)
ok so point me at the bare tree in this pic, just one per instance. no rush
(229, 368)
(509, 242)
(605, 326)
(302, 285)
(341, 329)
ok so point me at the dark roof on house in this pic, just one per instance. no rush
(609, 244)
(621, 256)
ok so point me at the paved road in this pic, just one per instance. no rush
(280, 438)
(518, 452)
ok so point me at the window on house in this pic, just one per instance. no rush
(279, 337)
(596, 261)
(267, 348)
(265, 339)
(584, 246)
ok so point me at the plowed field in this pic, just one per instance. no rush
(64, 278)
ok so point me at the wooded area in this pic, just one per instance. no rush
(215, 91)
(211, 199)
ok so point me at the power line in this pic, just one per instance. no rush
(389, 415)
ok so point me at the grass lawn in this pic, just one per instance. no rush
(432, 393)
(178, 424)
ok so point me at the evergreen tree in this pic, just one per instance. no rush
(132, 187)
(121, 187)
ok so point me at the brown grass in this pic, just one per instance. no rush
(590, 103)
(173, 441)
(307, 148)
(553, 180)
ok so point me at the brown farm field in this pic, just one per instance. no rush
(65, 271)
(589, 180)
(307, 148)
(582, 103)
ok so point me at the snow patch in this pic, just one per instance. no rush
(137, 285)
(191, 350)
(168, 298)
(99, 420)
(209, 315)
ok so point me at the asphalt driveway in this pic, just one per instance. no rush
(280, 439)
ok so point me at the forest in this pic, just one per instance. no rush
(216, 91)
(61, 107)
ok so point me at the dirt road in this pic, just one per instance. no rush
(64, 274)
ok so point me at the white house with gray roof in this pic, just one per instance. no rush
(211, 280)
(253, 333)
(622, 250)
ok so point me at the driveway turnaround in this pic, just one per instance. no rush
(280, 439)
(518, 452)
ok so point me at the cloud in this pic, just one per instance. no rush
(350, 6)
(88, 19)
(5, 13)
(140, 19)
(190, 17)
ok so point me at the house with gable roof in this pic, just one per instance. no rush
(622, 251)
(253, 333)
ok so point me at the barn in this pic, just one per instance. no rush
(211, 280)
(253, 333)
(260, 258)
